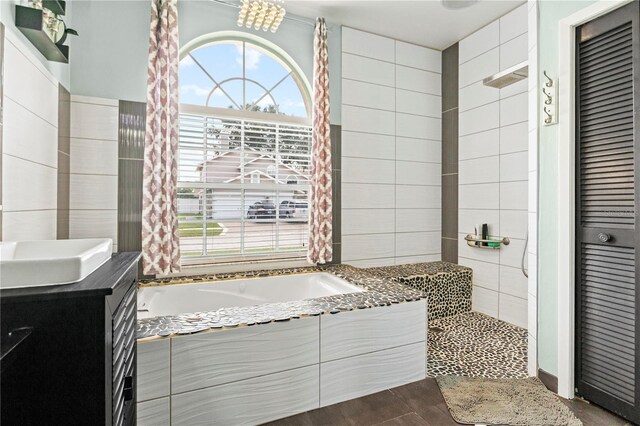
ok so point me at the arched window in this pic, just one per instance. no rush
(245, 113)
(241, 73)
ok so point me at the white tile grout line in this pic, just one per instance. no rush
(395, 152)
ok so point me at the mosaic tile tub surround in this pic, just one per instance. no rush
(379, 291)
(448, 286)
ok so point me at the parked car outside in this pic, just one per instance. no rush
(300, 212)
(287, 209)
(262, 210)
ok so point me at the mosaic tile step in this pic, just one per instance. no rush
(448, 286)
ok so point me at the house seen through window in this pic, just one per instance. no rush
(244, 153)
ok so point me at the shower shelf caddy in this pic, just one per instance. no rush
(496, 242)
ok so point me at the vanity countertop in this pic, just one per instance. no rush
(101, 282)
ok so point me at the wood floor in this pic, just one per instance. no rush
(416, 404)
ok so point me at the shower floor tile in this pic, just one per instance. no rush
(474, 344)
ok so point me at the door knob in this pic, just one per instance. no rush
(604, 237)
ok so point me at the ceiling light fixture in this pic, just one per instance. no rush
(261, 14)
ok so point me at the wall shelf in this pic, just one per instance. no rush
(489, 243)
(56, 6)
(29, 22)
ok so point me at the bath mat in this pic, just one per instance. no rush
(473, 400)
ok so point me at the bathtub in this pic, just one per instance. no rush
(251, 374)
(158, 301)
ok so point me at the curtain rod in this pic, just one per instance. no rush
(289, 17)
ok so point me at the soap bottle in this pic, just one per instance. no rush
(485, 233)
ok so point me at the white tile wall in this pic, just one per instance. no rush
(479, 42)
(29, 225)
(391, 150)
(417, 103)
(419, 57)
(482, 144)
(368, 170)
(418, 80)
(368, 95)
(368, 120)
(30, 146)
(513, 138)
(418, 197)
(372, 222)
(368, 70)
(367, 145)
(475, 95)
(493, 165)
(421, 150)
(479, 67)
(368, 44)
(93, 196)
(28, 136)
(511, 25)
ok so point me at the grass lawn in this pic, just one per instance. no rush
(195, 229)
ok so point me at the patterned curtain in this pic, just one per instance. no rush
(320, 221)
(160, 241)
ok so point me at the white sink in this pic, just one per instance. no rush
(50, 262)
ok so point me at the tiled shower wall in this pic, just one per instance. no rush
(29, 145)
(450, 154)
(93, 199)
(64, 162)
(391, 151)
(493, 165)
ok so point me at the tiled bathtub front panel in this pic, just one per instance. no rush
(254, 374)
(354, 377)
(210, 359)
(153, 369)
(248, 402)
(154, 413)
(370, 330)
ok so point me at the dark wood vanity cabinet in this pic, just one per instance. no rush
(78, 365)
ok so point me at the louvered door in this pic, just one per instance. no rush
(607, 296)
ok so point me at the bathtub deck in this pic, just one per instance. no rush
(380, 290)
(448, 288)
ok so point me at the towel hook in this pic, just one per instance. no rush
(549, 82)
(548, 95)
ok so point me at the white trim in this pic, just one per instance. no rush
(198, 267)
(234, 114)
(566, 184)
(277, 53)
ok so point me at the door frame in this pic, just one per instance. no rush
(566, 188)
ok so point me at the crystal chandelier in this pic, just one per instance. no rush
(265, 14)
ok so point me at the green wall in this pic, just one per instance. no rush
(549, 14)
(110, 56)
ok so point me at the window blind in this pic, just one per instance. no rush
(243, 186)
